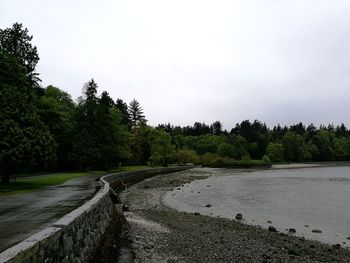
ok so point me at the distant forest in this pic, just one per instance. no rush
(43, 129)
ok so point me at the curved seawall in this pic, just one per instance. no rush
(74, 237)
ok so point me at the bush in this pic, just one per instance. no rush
(266, 159)
(231, 163)
(186, 156)
(208, 158)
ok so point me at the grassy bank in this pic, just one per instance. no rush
(38, 182)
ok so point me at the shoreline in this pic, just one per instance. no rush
(162, 234)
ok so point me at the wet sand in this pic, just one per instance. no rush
(160, 234)
(303, 199)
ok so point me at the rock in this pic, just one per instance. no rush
(125, 207)
(146, 186)
(239, 216)
(292, 230)
(348, 238)
(208, 205)
(269, 222)
(196, 213)
(316, 231)
(306, 226)
(272, 229)
(337, 246)
(178, 188)
(293, 252)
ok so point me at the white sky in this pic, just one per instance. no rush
(279, 61)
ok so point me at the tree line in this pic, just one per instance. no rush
(43, 129)
(254, 140)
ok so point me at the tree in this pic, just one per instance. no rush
(123, 108)
(56, 109)
(102, 141)
(136, 114)
(207, 143)
(217, 128)
(292, 144)
(85, 152)
(25, 142)
(323, 140)
(162, 151)
(240, 145)
(275, 152)
(16, 42)
(112, 139)
(141, 144)
(226, 150)
(185, 156)
(342, 149)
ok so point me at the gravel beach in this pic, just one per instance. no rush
(160, 234)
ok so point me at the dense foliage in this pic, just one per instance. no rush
(44, 129)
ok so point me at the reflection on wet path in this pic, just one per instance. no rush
(26, 214)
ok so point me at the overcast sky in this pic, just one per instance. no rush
(279, 61)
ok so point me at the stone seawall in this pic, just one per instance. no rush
(74, 236)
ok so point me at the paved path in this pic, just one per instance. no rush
(25, 214)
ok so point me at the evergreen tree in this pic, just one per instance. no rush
(25, 142)
(85, 152)
(216, 128)
(136, 114)
(123, 108)
(16, 41)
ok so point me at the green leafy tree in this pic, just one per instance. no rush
(293, 144)
(323, 141)
(162, 151)
(275, 152)
(16, 41)
(25, 142)
(141, 144)
(313, 150)
(56, 109)
(240, 145)
(226, 150)
(185, 156)
(207, 143)
(342, 149)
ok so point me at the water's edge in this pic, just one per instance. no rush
(212, 197)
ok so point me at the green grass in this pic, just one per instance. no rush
(38, 182)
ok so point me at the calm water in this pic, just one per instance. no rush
(304, 199)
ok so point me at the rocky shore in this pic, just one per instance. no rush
(159, 234)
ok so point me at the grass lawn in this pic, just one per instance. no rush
(37, 182)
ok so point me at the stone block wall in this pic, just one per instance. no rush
(74, 236)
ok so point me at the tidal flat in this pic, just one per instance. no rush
(312, 203)
(163, 234)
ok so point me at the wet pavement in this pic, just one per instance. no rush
(25, 214)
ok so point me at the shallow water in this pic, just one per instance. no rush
(304, 199)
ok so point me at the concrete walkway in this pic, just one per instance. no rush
(25, 214)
